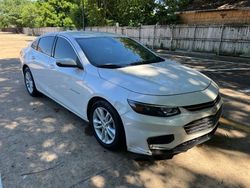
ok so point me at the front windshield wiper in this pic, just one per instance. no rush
(147, 61)
(110, 66)
(115, 66)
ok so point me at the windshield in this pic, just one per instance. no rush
(115, 52)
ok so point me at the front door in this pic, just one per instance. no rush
(68, 82)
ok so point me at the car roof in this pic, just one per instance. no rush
(83, 34)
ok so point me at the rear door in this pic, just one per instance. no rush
(44, 64)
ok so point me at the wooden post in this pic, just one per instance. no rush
(172, 37)
(139, 33)
(221, 39)
(122, 30)
(194, 38)
(154, 33)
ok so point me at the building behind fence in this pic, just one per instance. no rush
(219, 39)
(216, 16)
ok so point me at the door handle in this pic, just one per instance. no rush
(33, 57)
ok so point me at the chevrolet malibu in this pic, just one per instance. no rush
(131, 97)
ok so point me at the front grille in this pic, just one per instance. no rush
(203, 124)
(202, 106)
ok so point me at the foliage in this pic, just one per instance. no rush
(76, 13)
(96, 14)
(30, 15)
(135, 12)
(10, 13)
(54, 13)
(165, 10)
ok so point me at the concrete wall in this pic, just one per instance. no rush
(230, 16)
(219, 39)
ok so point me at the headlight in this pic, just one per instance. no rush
(153, 110)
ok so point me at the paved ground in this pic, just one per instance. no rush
(44, 145)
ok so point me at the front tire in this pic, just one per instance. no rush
(29, 83)
(107, 125)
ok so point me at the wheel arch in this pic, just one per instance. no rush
(97, 98)
(92, 101)
(24, 67)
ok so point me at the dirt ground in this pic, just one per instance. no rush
(44, 145)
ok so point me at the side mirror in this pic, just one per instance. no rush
(66, 62)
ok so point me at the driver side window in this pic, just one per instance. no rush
(63, 49)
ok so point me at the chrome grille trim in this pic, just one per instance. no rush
(203, 124)
(202, 106)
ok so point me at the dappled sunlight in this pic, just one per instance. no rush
(67, 128)
(49, 119)
(16, 109)
(233, 133)
(182, 171)
(46, 129)
(195, 82)
(4, 94)
(98, 181)
(210, 160)
(157, 176)
(3, 79)
(144, 71)
(24, 120)
(235, 94)
(238, 110)
(65, 148)
(164, 78)
(236, 137)
(48, 143)
(47, 156)
(36, 103)
(107, 85)
(12, 125)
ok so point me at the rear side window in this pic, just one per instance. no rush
(63, 49)
(46, 44)
(34, 44)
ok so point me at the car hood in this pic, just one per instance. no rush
(164, 78)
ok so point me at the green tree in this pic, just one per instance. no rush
(95, 14)
(30, 15)
(76, 13)
(100, 12)
(10, 13)
(135, 12)
(54, 13)
(165, 10)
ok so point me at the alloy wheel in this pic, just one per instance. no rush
(104, 125)
(29, 82)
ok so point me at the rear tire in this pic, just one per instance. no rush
(107, 125)
(29, 83)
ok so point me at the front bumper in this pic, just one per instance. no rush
(171, 134)
(184, 146)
